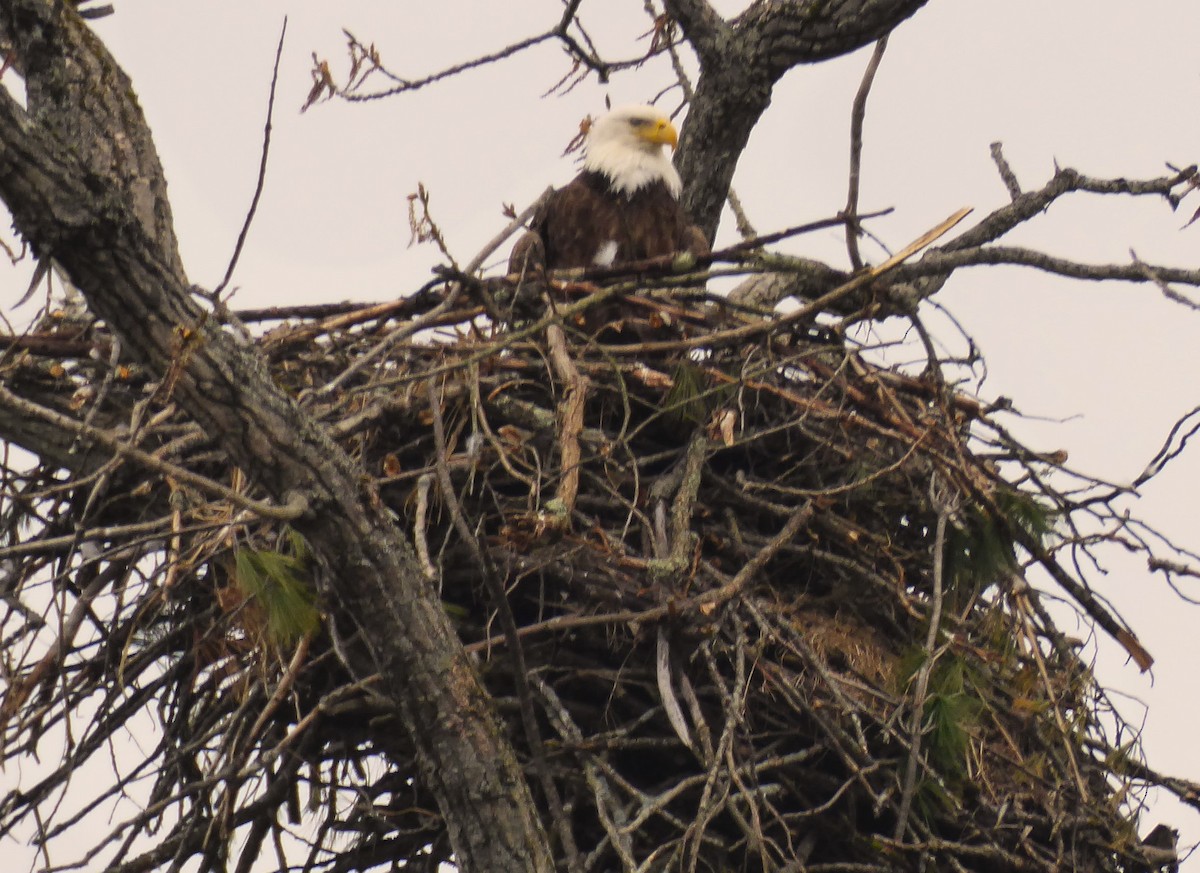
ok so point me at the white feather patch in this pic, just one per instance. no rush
(606, 254)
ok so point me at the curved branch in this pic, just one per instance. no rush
(1064, 181)
(941, 262)
(701, 25)
(805, 31)
(127, 268)
(402, 85)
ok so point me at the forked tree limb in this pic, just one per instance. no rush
(740, 62)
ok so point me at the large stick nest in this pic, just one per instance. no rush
(768, 599)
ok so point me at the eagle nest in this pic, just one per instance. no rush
(745, 597)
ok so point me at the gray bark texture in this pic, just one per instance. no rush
(741, 59)
(81, 177)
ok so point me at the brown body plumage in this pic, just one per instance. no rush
(583, 218)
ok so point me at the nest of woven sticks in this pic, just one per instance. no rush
(767, 596)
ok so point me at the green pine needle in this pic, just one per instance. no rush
(276, 581)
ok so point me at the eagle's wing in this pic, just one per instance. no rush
(528, 257)
(579, 219)
(695, 241)
(560, 234)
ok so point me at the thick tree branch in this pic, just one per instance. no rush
(704, 28)
(739, 66)
(51, 443)
(68, 88)
(18, 406)
(110, 233)
(921, 279)
(727, 104)
(797, 32)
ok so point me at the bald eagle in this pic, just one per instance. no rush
(623, 206)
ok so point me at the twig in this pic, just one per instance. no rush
(418, 324)
(513, 226)
(570, 413)
(488, 350)
(153, 528)
(1163, 286)
(419, 540)
(262, 172)
(719, 338)
(18, 691)
(684, 503)
(744, 250)
(946, 260)
(740, 219)
(1006, 174)
(945, 503)
(704, 601)
(285, 685)
(1020, 595)
(857, 114)
(1185, 789)
(1001, 221)
(296, 505)
(114, 356)
(666, 694)
(422, 302)
(1084, 597)
(450, 71)
(1170, 450)
(303, 310)
(391, 340)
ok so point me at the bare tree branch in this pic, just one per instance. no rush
(113, 238)
(857, 116)
(739, 73)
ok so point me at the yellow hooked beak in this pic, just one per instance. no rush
(660, 132)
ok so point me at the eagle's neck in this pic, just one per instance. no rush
(630, 169)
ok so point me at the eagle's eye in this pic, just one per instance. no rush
(638, 122)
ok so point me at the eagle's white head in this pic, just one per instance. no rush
(626, 146)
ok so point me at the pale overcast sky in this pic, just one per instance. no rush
(1109, 87)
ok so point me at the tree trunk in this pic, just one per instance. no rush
(81, 177)
(740, 62)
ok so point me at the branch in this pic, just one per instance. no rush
(262, 172)
(129, 271)
(296, 503)
(739, 73)
(857, 115)
(52, 47)
(805, 31)
(1007, 176)
(1064, 181)
(702, 26)
(810, 278)
(946, 260)
(570, 423)
(404, 85)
